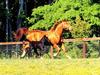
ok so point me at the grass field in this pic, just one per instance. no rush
(49, 67)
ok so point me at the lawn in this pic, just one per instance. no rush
(49, 66)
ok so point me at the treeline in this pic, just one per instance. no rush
(84, 16)
(13, 14)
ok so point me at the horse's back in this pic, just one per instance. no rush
(35, 35)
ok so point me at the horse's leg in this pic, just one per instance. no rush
(41, 48)
(58, 49)
(25, 48)
(35, 49)
(64, 50)
(51, 52)
(24, 52)
(41, 45)
(36, 52)
(29, 51)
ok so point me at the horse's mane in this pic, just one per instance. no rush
(37, 30)
(56, 24)
(20, 31)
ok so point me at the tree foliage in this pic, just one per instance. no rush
(80, 28)
(88, 13)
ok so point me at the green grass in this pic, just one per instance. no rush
(49, 67)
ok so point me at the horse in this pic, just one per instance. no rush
(54, 35)
(35, 38)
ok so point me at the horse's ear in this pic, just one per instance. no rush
(55, 21)
(64, 20)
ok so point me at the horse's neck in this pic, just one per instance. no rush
(59, 29)
(23, 33)
(52, 28)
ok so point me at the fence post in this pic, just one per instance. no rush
(84, 49)
(99, 48)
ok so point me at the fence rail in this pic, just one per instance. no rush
(63, 40)
(11, 43)
(84, 40)
(81, 39)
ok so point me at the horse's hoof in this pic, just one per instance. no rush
(68, 57)
(21, 57)
(55, 55)
(41, 57)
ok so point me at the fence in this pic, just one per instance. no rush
(10, 49)
(84, 40)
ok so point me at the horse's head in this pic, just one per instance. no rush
(66, 25)
(19, 33)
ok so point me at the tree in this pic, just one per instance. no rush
(44, 17)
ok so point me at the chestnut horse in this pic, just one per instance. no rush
(54, 35)
(35, 38)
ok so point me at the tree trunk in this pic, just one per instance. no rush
(7, 20)
(19, 20)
